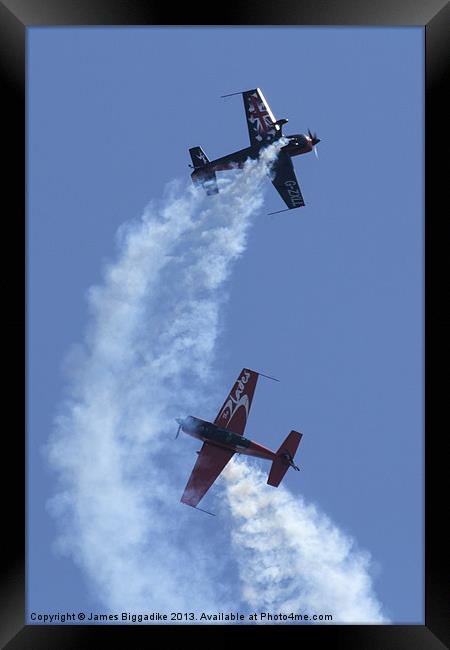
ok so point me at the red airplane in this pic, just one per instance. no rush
(224, 438)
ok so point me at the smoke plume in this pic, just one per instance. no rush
(147, 358)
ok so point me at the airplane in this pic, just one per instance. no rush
(263, 130)
(225, 437)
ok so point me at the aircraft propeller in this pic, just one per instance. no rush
(314, 140)
(179, 427)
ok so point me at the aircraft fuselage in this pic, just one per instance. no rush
(298, 144)
(209, 432)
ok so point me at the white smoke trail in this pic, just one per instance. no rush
(292, 559)
(147, 359)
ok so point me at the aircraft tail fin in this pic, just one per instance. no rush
(284, 458)
(198, 157)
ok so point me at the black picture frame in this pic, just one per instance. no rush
(18, 15)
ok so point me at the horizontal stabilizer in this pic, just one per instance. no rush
(206, 179)
(284, 458)
(198, 157)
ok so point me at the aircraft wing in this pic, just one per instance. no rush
(260, 119)
(285, 182)
(234, 412)
(210, 463)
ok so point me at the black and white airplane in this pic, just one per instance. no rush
(263, 130)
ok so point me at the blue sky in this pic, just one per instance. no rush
(328, 298)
